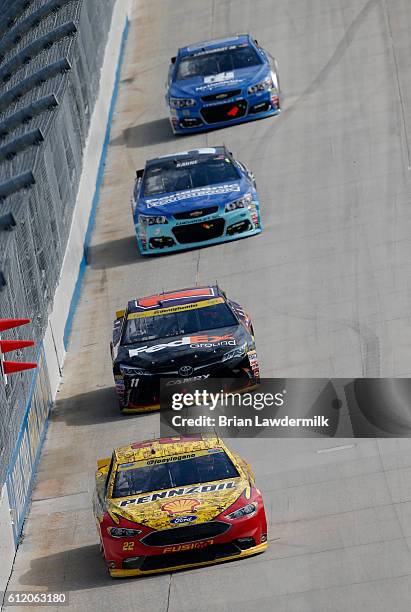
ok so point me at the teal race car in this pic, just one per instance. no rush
(193, 199)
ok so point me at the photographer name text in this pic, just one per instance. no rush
(255, 421)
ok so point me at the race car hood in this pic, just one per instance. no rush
(187, 349)
(165, 509)
(218, 83)
(191, 199)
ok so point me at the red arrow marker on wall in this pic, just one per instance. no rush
(10, 323)
(6, 346)
(13, 345)
(9, 367)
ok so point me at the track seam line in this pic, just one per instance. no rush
(169, 593)
(339, 586)
(337, 514)
(393, 503)
(399, 88)
(58, 496)
(343, 478)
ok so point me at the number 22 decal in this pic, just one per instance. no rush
(128, 546)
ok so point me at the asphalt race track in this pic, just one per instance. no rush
(328, 285)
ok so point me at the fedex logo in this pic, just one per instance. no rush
(185, 341)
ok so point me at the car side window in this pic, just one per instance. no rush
(268, 58)
(170, 73)
(245, 170)
(117, 327)
(108, 475)
(137, 187)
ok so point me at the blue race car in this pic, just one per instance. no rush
(195, 198)
(221, 83)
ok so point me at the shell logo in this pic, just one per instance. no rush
(180, 506)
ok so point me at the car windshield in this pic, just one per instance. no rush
(141, 328)
(175, 471)
(214, 62)
(179, 174)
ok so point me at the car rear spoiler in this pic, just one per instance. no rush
(139, 173)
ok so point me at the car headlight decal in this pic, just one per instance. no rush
(264, 85)
(182, 102)
(246, 511)
(243, 202)
(240, 351)
(132, 371)
(155, 220)
(122, 532)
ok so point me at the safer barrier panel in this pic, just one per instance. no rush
(22, 468)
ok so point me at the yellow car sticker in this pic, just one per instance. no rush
(167, 459)
(172, 309)
(180, 506)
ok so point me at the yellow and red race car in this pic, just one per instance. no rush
(173, 503)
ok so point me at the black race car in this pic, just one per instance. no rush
(188, 335)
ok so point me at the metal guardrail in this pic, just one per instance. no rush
(51, 52)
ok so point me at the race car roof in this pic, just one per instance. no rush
(186, 155)
(164, 447)
(173, 298)
(209, 45)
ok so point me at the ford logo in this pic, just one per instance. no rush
(186, 370)
(183, 519)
